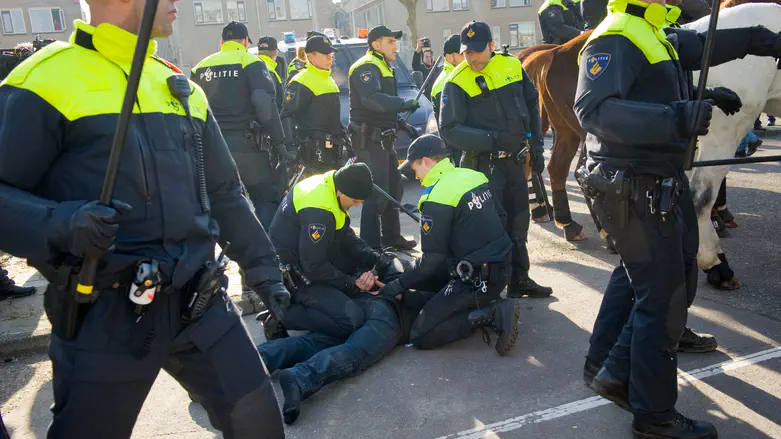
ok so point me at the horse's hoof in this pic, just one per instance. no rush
(542, 219)
(728, 285)
(540, 214)
(609, 245)
(573, 232)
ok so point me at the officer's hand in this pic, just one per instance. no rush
(276, 298)
(93, 228)
(537, 161)
(410, 105)
(693, 117)
(392, 290)
(727, 100)
(286, 154)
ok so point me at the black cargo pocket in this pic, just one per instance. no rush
(214, 324)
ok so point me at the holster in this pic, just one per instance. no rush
(611, 188)
(360, 135)
(388, 138)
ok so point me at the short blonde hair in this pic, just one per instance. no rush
(301, 53)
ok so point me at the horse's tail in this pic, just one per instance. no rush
(544, 119)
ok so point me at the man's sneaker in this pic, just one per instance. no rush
(679, 428)
(696, 343)
(527, 288)
(272, 328)
(291, 408)
(9, 289)
(727, 217)
(611, 388)
(590, 370)
(719, 226)
(502, 316)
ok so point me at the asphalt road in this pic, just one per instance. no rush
(465, 390)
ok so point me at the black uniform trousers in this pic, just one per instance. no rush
(508, 184)
(100, 385)
(644, 308)
(262, 178)
(444, 317)
(379, 217)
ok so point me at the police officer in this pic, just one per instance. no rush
(327, 264)
(298, 63)
(310, 114)
(374, 105)
(577, 14)
(180, 194)
(490, 112)
(242, 95)
(453, 57)
(461, 229)
(633, 99)
(9, 289)
(558, 21)
(267, 52)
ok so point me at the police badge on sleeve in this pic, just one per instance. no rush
(316, 232)
(366, 76)
(596, 65)
(426, 224)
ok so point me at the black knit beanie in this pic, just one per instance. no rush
(355, 181)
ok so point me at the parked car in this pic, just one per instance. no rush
(349, 51)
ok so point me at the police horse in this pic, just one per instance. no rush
(554, 70)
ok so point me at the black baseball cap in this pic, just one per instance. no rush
(427, 145)
(378, 32)
(452, 44)
(267, 43)
(235, 31)
(319, 44)
(475, 36)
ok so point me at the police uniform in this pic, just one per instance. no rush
(294, 68)
(490, 124)
(452, 45)
(374, 105)
(310, 114)
(242, 95)
(633, 99)
(312, 235)
(270, 43)
(558, 21)
(59, 110)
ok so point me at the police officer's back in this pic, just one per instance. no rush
(267, 52)
(559, 21)
(242, 95)
(374, 108)
(311, 110)
(490, 112)
(453, 57)
(60, 109)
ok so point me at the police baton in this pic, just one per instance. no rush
(710, 40)
(423, 86)
(87, 276)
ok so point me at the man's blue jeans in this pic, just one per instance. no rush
(316, 360)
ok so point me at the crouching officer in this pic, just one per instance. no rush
(461, 229)
(267, 53)
(559, 21)
(325, 264)
(453, 57)
(374, 105)
(310, 114)
(242, 95)
(490, 111)
(157, 300)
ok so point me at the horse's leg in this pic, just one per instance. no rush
(564, 151)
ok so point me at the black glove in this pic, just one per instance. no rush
(410, 105)
(92, 228)
(384, 261)
(727, 100)
(537, 160)
(392, 289)
(276, 298)
(693, 117)
(287, 156)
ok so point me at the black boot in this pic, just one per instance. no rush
(272, 328)
(399, 243)
(526, 287)
(291, 408)
(679, 428)
(590, 370)
(503, 317)
(610, 388)
(696, 343)
(9, 289)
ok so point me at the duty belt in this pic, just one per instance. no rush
(477, 275)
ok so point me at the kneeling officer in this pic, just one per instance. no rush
(325, 264)
(461, 228)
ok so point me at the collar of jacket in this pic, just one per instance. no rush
(380, 56)
(653, 13)
(447, 67)
(435, 173)
(320, 72)
(268, 61)
(232, 45)
(115, 43)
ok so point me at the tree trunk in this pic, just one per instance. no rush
(412, 19)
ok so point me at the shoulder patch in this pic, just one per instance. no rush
(316, 232)
(596, 65)
(170, 65)
(289, 95)
(267, 74)
(366, 76)
(443, 101)
(426, 224)
(551, 14)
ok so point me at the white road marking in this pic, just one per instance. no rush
(598, 401)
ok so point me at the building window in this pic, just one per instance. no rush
(498, 3)
(208, 12)
(437, 5)
(300, 9)
(460, 5)
(517, 3)
(237, 11)
(13, 21)
(522, 34)
(46, 20)
(276, 9)
(496, 32)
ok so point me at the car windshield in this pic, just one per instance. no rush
(347, 55)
